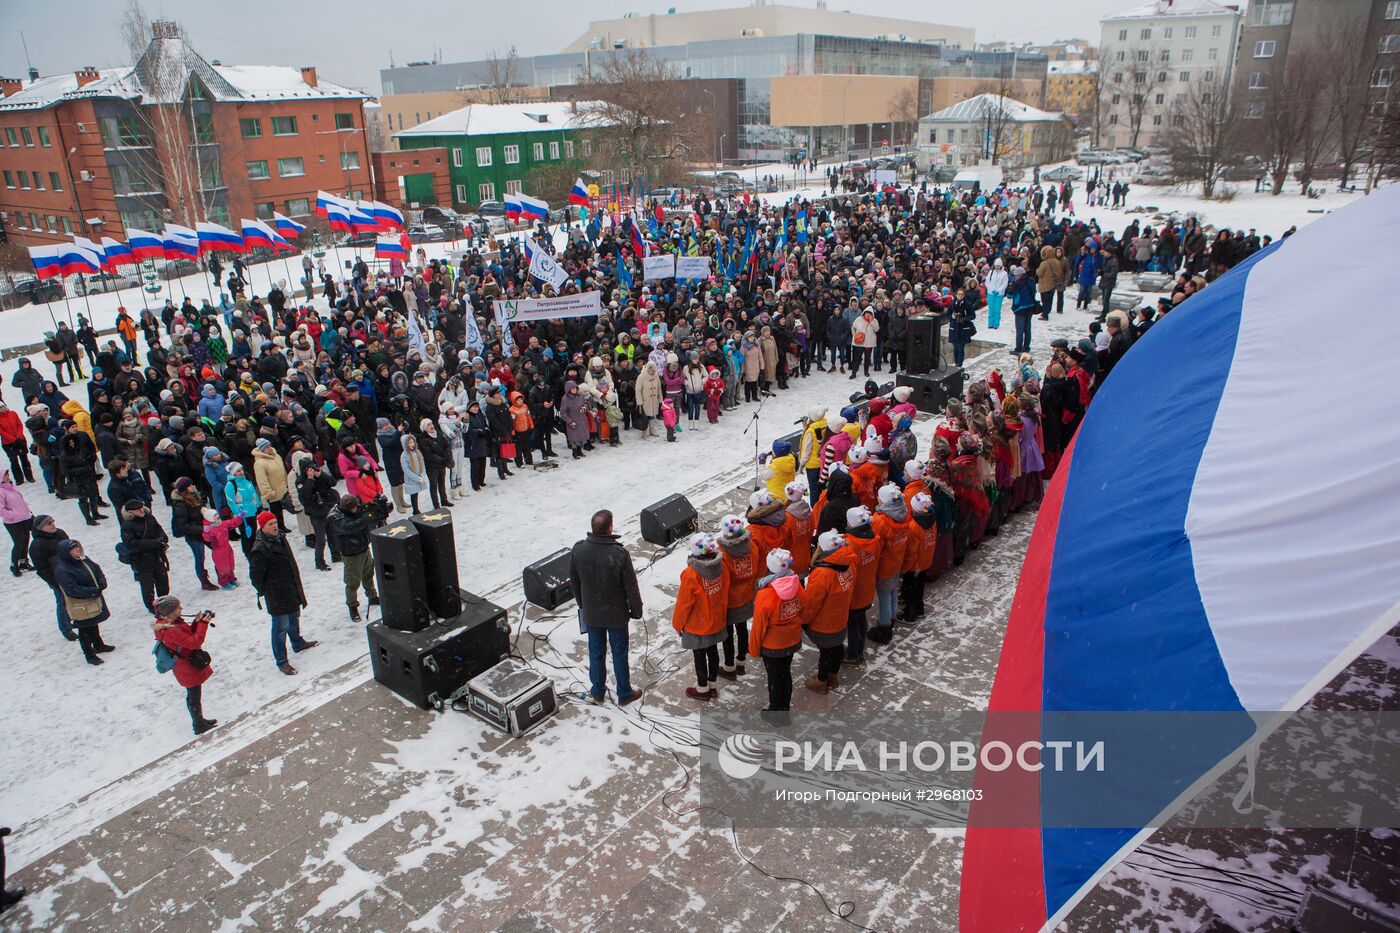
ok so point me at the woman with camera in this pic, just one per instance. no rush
(184, 640)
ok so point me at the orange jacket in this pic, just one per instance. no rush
(867, 551)
(826, 602)
(865, 480)
(777, 622)
(894, 538)
(799, 542)
(922, 544)
(912, 489)
(742, 573)
(765, 538)
(700, 603)
(520, 413)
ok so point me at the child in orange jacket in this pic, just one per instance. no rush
(777, 627)
(741, 566)
(865, 476)
(522, 423)
(891, 525)
(923, 544)
(699, 613)
(860, 536)
(826, 606)
(799, 526)
(767, 523)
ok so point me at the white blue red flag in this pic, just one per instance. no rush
(257, 233)
(116, 254)
(533, 208)
(46, 261)
(512, 204)
(286, 225)
(388, 218)
(578, 194)
(216, 238)
(180, 242)
(144, 245)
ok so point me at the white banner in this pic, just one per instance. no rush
(693, 267)
(883, 176)
(544, 268)
(658, 267)
(583, 304)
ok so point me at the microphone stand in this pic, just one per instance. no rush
(753, 423)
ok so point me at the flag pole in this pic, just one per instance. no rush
(63, 280)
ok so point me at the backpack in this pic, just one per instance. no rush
(165, 661)
(123, 553)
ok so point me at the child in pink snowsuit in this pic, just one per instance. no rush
(669, 418)
(714, 391)
(216, 533)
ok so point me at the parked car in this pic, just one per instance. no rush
(35, 291)
(440, 216)
(178, 268)
(426, 233)
(104, 282)
(491, 208)
(361, 241)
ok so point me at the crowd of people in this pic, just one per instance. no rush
(260, 420)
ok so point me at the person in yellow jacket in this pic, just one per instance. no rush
(782, 467)
(809, 451)
(271, 475)
(73, 410)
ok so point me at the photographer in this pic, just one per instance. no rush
(184, 640)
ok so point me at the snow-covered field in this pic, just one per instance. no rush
(72, 729)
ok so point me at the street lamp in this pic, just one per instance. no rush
(845, 127)
(344, 133)
(714, 115)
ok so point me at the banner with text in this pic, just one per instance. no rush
(659, 267)
(584, 304)
(693, 267)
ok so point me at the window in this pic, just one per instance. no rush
(349, 160)
(51, 221)
(587, 147)
(1215, 32)
(1145, 34)
(511, 154)
(263, 209)
(1161, 98)
(537, 152)
(1190, 32)
(257, 170)
(1117, 99)
(1178, 120)
(20, 221)
(1118, 77)
(1167, 33)
(345, 121)
(1122, 56)
(10, 136)
(1254, 111)
(44, 136)
(132, 179)
(1122, 35)
(1379, 78)
(1209, 76)
(250, 127)
(39, 180)
(211, 173)
(1142, 55)
(513, 187)
(1264, 49)
(28, 137)
(290, 168)
(1390, 44)
(483, 156)
(568, 148)
(68, 227)
(1113, 118)
(203, 129)
(9, 179)
(952, 135)
(1162, 76)
(1392, 9)
(1156, 119)
(1184, 76)
(1188, 54)
(456, 158)
(554, 150)
(24, 178)
(486, 192)
(298, 207)
(284, 126)
(1180, 99)
(1140, 77)
(460, 196)
(1165, 55)
(1212, 54)
(1259, 80)
(1270, 13)
(123, 132)
(219, 214)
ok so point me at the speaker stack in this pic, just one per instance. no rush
(923, 343)
(548, 582)
(398, 569)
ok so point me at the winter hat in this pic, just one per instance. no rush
(921, 502)
(878, 405)
(781, 448)
(235, 469)
(265, 518)
(968, 443)
(131, 505)
(732, 526)
(177, 423)
(263, 443)
(858, 455)
(901, 394)
(703, 545)
(857, 517)
(209, 514)
(165, 605)
(835, 423)
(795, 490)
(816, 413)
(183, 483)
(874, 447)
(760, 499)
(672, 358)
(595, 363)
(779, 561)
(889, 494)
(383, 424)
(425, 423)
(913, 470)
(831, 540)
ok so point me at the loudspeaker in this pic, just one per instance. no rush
(398, 569)
(439, 562)
(923, 342)
(427, 667)
(547, 581)
(669, 520)
(931, 392)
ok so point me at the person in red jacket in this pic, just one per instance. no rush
(865, 476)
(699, 613)
(742, 567)
(185, 641)
(799, 526)
(880, 423)
(12, 438)
(826, 606)
(777, 627)
(891, 526)
(918, 556)
(714, 393)
(860, 536)
(767, 524)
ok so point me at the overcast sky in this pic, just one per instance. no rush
(350, 40)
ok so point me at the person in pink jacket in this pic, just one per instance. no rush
(19, 522)
(350, 453)
(216, 533)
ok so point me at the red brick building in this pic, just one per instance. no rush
(173, 138)
(412, 178)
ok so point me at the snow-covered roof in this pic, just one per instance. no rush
(44, 92)
(1080, 67)
(1156, 8)
(977, 108)
(279, 82)
(491, 119)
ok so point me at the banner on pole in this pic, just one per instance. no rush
(662, 266)
(693, 267)
(584, 304)
(544, 268)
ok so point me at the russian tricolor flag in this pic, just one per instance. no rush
(337, 215)
(512, 207)
(144, 245)
(46, 261)
(286, 225)
(214, 238)
(257, 233)
(634, 237)
(117, 254)
(324, 202)
(361, 218)
(388, 218)
(390, 247)
(533, 208)
(75, 259)
(180, 242)
(579, 194)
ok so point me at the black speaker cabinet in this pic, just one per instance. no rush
(547, 581)
(439, 562)
(427, 667)
(932, 391)
(923, 341)
(398, 569)
(669, 520)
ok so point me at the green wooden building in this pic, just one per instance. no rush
(492, 148)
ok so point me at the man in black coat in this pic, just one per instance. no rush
(145, 544)
(273, 570)
(349, 524)
(605, 588)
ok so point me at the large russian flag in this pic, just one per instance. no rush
(117, 254)
(338, 216)
(144, 245)
(286, 225)
(362, 219)
(180, 242)
(214, 238)
(390, 247)
(533, 208)
(1222, 536)
(46, 261)
(78, 259)
(512, 204)
(257, 233)
(578, 194)
(324, 201)
(387, 218)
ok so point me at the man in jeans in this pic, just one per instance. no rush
(273, 571)
(349, 525)
(605, 586)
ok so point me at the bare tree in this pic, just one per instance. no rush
(1139, 77)
(1100, 95)
(904, 111)
(998, 123)
(502, 77)
(1385, 148)
(1205, 135)
(1347, 62)
(1289, 118)
(637, 113)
